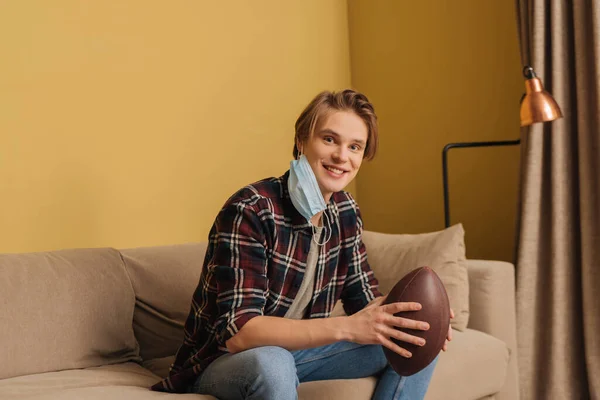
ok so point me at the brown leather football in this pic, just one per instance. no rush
(423, 286)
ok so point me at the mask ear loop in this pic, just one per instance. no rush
(328, 230)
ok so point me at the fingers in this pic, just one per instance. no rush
(449, 336)
(394, 308)
(401, 336)
(394, 347)
(400, 322)
(448, 339)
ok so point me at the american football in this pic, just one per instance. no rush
(423, 286)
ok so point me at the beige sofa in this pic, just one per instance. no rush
(104, 324)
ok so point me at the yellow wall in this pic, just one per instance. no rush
(440, 72)
(129, 123)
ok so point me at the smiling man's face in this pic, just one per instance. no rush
(335, 151)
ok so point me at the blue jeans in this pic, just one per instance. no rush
(274, 373)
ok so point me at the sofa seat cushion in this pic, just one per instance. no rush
(458, 375)
(474, 367)
(346, 389)
(127, 381)
(159, 366)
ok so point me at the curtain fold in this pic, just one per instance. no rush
(558, 238)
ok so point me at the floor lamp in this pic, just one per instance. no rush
(537, 105)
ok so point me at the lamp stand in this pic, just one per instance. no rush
(445, 166)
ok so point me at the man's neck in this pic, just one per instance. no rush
(317, 219)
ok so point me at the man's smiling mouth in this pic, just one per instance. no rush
(335, 170)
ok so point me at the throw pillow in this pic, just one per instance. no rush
(391, 256)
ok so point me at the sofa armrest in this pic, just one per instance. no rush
(493, 311)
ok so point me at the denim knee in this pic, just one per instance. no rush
(377, 356)
(273, 367)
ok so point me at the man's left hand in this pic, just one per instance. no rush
(449, 337)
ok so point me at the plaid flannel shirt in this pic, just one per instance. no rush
(255, 264)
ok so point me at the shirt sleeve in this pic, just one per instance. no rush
(361, 286)
(239, 265)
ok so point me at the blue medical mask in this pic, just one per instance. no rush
(304, 189)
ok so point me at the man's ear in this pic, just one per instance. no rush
(299, 147)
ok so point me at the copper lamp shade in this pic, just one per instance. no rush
(537, 104)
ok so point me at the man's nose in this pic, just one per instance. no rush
(341, 154)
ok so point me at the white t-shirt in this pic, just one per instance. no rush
(307, 288)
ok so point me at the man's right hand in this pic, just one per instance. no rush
(375, 324)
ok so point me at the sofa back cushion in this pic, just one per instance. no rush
(393, 256)
(64, 310)
(164, 279)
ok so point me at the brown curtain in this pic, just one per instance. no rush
(558, 244)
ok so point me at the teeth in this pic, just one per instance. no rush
(335, 170)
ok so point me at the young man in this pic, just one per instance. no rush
(281, 252)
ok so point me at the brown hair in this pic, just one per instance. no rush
(347, 100)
